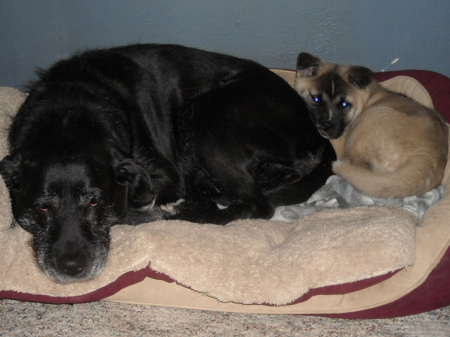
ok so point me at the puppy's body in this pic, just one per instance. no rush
(109, 136)
(387, 145)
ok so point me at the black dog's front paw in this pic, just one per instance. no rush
(207, 211)
(199, 211)
(138, 216)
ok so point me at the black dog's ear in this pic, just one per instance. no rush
(9, 170)
(135, 176)
(359, 76)
(307, 65)
(129, 172)
(126, 170)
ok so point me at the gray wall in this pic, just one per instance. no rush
(415, 33)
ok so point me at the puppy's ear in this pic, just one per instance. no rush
(307, 65)
(9, 170)
(359, 76)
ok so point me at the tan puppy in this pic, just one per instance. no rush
(387, 145)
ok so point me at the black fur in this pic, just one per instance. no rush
(107, 136)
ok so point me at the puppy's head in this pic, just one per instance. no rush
(69, 203)
(335, 94)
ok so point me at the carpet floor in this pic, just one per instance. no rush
(116, 319)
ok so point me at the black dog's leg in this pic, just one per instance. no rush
(197, 210)
(138, 216)
(207, 211)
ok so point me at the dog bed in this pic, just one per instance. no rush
(363, 262)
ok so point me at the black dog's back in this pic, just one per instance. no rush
(251, 152)
(200, 126)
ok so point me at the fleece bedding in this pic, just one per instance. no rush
(344, 262)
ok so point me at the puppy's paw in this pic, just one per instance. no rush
(336, 164)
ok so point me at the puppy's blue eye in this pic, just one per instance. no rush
(317, 99)
(345, 104)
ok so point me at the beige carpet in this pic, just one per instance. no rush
(114, 319)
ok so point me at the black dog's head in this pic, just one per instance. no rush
(69, 202)
(335, 94)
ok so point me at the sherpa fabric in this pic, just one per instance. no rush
(247, 261)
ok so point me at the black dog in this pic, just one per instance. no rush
(108, 136)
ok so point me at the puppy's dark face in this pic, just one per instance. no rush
(69, 207)
(335, 94)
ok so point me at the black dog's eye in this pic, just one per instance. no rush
(93, 202)
(345, 104)
(44, 208)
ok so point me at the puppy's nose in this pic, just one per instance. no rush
(327, 125)
(72, 264)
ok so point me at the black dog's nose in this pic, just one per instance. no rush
(72, 264)
(327, 125)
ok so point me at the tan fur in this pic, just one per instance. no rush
(391, 146)
(339, 145)
(394, 147)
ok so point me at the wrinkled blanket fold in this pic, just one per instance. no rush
(339, 193)
(247, 261)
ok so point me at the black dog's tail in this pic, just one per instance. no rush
(299, 191)
(295, 191)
